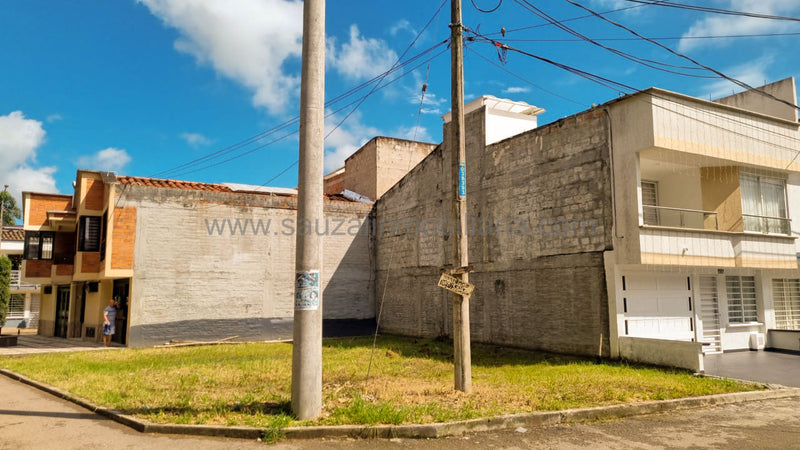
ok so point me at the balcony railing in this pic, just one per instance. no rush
(767, 224)
(680, 217)
(18, 284)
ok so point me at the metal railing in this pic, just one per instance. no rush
(18, 284)
(767, 224)
(680, 217)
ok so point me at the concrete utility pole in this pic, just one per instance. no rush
(307, 347)
(461, 337)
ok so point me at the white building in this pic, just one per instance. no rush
(707, 205)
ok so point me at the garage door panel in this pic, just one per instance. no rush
(658, 306)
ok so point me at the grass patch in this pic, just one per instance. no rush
(411, 382)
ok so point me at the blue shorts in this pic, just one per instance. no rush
(108, 330)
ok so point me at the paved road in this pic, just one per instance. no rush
(31, 419)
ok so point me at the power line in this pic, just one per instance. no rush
(663, 38)
(328, 115)
(499, 4)
(524, 80)
(681, 55)
(571, 19)
(617, 85)
(657, 65)
(709, 9)
(244, 143)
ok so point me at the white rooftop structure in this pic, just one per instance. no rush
(504, 117)
(239, 187)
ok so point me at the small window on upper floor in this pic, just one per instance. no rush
(89, 234)
(39, 244)
(650, 202)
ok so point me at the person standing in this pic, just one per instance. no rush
(109, 316)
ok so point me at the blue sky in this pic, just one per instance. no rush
(141, 87)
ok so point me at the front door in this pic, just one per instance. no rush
(121, 288)
(62, 311)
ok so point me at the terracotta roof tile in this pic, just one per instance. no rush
(13, 234)
(196, 186)
(174, 184)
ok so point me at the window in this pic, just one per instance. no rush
(649, 202)
(16, 306)
(786, 297)
(89, 237)
(39, 244)
(764, 204)
(741, 299)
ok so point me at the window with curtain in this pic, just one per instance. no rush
(786, 300)
(764, 204)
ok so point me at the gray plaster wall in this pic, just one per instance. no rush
(192, 283)
(540, 287)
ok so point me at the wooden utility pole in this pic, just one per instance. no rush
(307, 344)
(461, 337)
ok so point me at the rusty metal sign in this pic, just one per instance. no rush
(455, 285)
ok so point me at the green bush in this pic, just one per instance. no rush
(5, 291)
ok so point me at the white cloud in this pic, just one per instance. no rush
(731, 25)
(753, 73)
(109, 159)
(360, 58)
(415, 133)
(402, 25)
(247, 41)
(20, 138)
(195, 139)
(346, 139)
(516, 90)
(54, 118)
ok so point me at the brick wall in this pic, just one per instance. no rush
(41, 203)
(90, 262)
(335, 184)
(38, 269)
(94, 194)
(123, 238)
(539, 271)
(192, 283)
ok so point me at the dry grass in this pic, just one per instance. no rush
(411, 382)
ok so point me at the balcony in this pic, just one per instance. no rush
(18, 285)
(720, 216)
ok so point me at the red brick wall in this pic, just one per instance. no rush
(90, 262)
(65, 269)
(95, 194)
(41, 203)
(124, 237)
(38, 269)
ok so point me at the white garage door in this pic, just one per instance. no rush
(658, 305)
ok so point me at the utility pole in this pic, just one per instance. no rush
(307, 344)
(461, 337)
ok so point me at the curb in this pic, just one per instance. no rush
(421, 431)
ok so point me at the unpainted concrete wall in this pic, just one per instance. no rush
(540, 210)
(195, 280)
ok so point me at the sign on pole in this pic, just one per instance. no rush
(453, 284)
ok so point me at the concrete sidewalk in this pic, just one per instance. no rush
(30, 344)
(32, 419)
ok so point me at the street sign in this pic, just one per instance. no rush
(453, 284)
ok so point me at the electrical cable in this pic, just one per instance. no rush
(670, 38)
(735, 81)
(487, 11)
(643, 61)
(709, 9)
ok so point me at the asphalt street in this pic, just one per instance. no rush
(31, 419)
